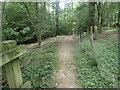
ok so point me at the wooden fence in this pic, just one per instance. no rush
(9, 57)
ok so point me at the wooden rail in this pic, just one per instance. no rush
(9, 57)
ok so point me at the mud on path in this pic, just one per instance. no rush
(65, 74)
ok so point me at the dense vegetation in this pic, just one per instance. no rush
(36, 21)
(39, 64)
(39, 20)
(30, 22)
(102, 74)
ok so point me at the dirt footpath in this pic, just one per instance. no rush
(66, 75)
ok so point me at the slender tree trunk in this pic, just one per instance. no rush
(1, 35)
(91, 24)
(81, 32)
(101, 23)
(119, 14)
(34, 23)
(57, 16)
(38, 35)
(99, 17)
(38, 29)
(91, 41)
(0, 22)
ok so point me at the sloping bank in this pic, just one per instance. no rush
(39, 64)
(105, 74)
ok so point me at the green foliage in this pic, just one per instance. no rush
(16, 22)
(14, 17)
(82, 17)
(73, 17)
(20, 37)
(106, 73)
(106, 55)
(25, 30)
(42, 63)
(9, 33)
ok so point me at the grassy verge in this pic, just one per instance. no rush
(106, 73)
(38, 66)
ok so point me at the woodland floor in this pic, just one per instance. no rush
(65, 74)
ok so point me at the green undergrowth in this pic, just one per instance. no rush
(104, 74)
(38, 66)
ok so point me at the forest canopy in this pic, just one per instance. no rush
(29, 22)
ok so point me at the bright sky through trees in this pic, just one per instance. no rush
(62, 5)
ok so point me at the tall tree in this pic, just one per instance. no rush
(119, 14)
(101, 9)
(99, 16)
(34, 18)
(82, 18)
(57, 16)
(0, 21)
(91, 25)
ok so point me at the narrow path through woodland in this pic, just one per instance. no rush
(66, 75)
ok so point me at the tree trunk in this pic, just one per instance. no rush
(81, 35)
(34, 23)
(0, 22)
(119, 14)
(91, 41)
(99, 17)
(91, 24)
(101, 22)
(38, 33)
(57, 16)
(39, 38)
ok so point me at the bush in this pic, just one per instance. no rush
(9, 33)
(22, 36)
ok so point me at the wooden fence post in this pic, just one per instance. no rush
(10, 58)
(14, 75)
